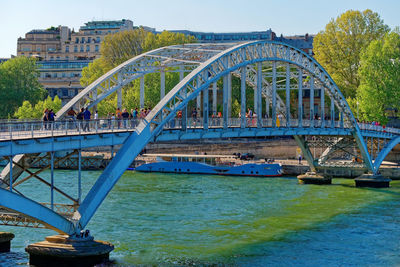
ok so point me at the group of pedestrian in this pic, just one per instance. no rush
(122, 118)
(48, 118)
(82, 118)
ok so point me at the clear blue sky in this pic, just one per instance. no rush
(287, 17)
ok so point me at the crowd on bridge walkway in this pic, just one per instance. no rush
(84, 120)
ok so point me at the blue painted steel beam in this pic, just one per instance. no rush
(301, 142)
(126, 154)
(47, 144)
(385, 151)
(36, 211)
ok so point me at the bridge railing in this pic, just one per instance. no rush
(35, 129)
(378, 128)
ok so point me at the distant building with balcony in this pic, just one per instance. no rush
(62, 53)
(61, 77)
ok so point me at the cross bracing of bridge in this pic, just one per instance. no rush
(286, 84)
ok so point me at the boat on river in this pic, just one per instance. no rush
(209, 164)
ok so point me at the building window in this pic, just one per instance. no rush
(82, 40)
(38, 49)
(65, 92)
(51, 58)
(77, 40)
(87, 48)
(67, 49)
(67, 57)
(97, 39)
(96, 48)
(81, 48)
(58, 57)
(75, 48)
(89, 39)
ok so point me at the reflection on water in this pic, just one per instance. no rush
(167, 219)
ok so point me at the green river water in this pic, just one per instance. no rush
(180, 220)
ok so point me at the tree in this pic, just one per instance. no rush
(338, 47)
(18, 82)
(27, 111)
(380, 78)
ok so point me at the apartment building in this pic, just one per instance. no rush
(62, 53)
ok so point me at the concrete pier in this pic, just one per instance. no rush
(372, 180)
(314, 178)
(63, 250)
(5, 241)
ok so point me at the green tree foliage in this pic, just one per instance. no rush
(27, 111)
(118, 48)
(18, 82)
(338, 47)
(380, 78)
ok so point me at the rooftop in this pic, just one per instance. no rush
(38, 31)
(105, 24)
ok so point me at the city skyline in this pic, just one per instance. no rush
(285, 17)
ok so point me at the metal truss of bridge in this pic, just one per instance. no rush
(290, 93)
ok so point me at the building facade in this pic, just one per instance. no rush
(62, 53)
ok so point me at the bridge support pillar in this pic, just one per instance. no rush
(314, 178)
(5, 241)
(63, 250)
(372, 180)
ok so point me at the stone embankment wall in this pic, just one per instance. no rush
(261, 148)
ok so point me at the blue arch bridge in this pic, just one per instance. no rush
(292, 95)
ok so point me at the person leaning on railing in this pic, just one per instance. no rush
(71, 115)
(45, 118)
(125, 117)
(79, 117)
(86, 118)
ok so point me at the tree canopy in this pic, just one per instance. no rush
(119, 47)
(338, 47)
(18, 82)
(29, 111)
(380, 78)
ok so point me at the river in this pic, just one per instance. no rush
(169, 220)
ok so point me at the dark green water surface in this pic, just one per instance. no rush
(165, 219)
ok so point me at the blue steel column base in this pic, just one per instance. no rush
(314, 178)
(372, 180)
(5, 241)
(64, 250)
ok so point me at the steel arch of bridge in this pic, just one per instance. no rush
(189, 88)
(206, 64)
